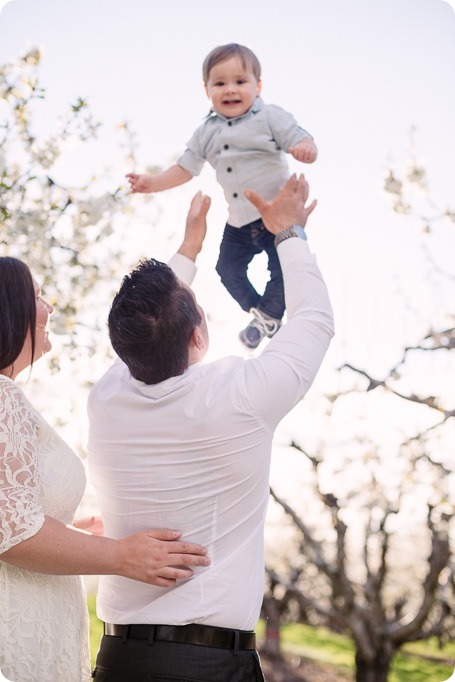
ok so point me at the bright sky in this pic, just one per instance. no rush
(357, 75)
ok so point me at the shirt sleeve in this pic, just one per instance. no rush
(193, 158)
(283, 373)
(183, 267)
(285, 129)
(21, 512)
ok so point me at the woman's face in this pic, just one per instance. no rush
(43, 313)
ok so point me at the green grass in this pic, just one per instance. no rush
(320, 644)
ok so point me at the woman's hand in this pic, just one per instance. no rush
(157, 557)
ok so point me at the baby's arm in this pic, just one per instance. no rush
(289, 136)
(305, 150)
(172, 177)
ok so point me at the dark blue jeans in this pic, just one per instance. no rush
(137, 660)
(238, 248)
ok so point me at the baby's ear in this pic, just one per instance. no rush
(259, 87)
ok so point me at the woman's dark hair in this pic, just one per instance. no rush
(17, 310)
(151, 321)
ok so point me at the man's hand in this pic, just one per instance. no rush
(304, 151)
(196, 226)
(140, 183)
(288, 208)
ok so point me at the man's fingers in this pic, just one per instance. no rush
(301, 182)
(205, 202)
(196, 199)
(256, 200)
(200, 203)
(312, 206)
(295, 179)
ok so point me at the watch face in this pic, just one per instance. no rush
(299, 231)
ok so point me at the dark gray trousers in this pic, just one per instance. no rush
(137, 660)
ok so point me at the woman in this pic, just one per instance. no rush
(43, 614)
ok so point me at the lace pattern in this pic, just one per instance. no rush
(43, 618)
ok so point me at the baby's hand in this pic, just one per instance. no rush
(304, 151)
(140, 183)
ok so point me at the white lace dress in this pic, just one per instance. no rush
(43, 618)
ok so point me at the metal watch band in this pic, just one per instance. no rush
(293, 231)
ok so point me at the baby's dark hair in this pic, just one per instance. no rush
(223, 52)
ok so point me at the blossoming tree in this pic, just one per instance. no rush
(75, 237)
(374, 528)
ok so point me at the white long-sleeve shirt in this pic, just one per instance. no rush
(193, 453)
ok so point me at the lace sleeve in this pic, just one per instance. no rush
(21, 514)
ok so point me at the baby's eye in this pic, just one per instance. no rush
(219, 83)
(241, 81)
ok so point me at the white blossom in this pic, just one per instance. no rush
(392, 185)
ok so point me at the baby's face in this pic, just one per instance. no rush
(232, 87)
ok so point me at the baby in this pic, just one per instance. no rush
(245, 141)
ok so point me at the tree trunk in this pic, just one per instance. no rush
(376, 670)
(272, 626)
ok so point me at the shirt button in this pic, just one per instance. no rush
(235, 195)
(229, 123)
(226, 146)
(229, 170)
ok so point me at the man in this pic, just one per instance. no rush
(187, 445)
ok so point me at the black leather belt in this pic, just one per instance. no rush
(204, 635)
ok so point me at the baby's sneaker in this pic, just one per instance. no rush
(260, 326)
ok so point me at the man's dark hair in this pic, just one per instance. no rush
(17, 310)
(151, 321)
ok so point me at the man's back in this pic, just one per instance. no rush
(189, 453)
(193, 453)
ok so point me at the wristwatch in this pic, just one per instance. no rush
(293, 231)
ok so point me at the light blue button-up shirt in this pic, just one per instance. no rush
(247, 152)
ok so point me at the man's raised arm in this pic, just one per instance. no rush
(183, 262)
(281, 375)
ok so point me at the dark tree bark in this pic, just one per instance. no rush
(376, 669)
(272, 616)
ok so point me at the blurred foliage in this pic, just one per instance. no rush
(66, 234)
(373, 532)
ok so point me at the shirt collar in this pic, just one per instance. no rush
(255, 107)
